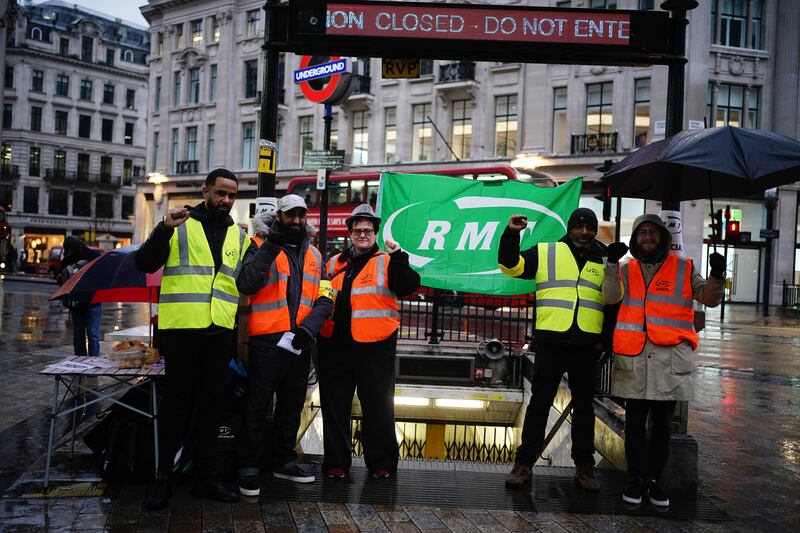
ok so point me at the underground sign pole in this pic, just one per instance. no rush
(267, 147)
(325, 174)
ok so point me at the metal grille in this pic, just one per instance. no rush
(791, 295)
(489, 444)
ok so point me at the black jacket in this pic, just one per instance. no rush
(403, 280)
(257, 264)
(508, 255)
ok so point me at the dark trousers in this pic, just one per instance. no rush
(342, 371)
(273, 372)
(549, 365)
(647, 460)
(195, 365)
(86, 324)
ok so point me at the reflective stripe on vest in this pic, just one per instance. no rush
(374, 314)
(192, 295)
(662, 311)
(560, 287)
(269, 308)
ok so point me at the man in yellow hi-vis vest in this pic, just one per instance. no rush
(201, 250)
(567, 337)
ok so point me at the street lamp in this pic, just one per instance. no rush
(157, 179)
(770, 203)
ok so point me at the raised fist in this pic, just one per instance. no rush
(616, 251)
(518, 222)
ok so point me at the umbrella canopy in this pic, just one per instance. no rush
(726, 162)
(112, 277)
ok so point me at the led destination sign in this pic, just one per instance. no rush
(468, 23)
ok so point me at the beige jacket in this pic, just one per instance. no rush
(659, 372)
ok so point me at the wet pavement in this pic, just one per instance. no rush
(746, 420)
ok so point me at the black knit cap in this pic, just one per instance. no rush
(582, 215)
(220, 173)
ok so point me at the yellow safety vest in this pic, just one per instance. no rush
(192, 295)
(559, 287)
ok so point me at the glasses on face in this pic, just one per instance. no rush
(652, 232)
(365, 232)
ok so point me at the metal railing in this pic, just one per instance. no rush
(55, 174)
(9, 172)
(363, 85)
(594, 143)
(791, 294)
(187, 167)
(461, 71)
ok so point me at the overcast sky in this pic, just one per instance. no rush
(127, 10)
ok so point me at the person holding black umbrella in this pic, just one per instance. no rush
(654, 342)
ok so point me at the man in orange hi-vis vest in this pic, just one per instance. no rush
(654, 340)
(290, 301)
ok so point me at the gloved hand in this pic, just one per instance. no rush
(276, 238)
(717, 263)
(302, 338)
(616, 250)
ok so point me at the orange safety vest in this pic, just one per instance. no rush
(662, 311)
(374, 315)
(269, 308)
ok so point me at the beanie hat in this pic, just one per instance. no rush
(582, 215)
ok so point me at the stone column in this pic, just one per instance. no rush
(718, 21)
(783, 249)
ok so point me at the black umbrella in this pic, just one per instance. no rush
(725, 162)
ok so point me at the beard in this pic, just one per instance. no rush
(295, 233)
(218, 210)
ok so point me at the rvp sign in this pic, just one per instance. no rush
(400, 68)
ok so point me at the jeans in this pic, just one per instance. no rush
(549, 365)
(86, 323)
(647, 460)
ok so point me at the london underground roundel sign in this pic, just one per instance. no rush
(323, 79)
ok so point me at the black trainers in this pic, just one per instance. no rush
(633, 492)
(249, 485)
(296, 473)
(656, 495)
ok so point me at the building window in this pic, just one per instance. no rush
(81, 204)
(250, 78)
(390, 135)
(729, 108)
(30, 202)
(191, 143)
(173, 163)
(128, 139)
(57, 201)
(128, 56)
(36, 118)
(34, 161)
(9, 78)
(105, 166)
(62, 85)
(197, 32)
(108, 94)
(360, 138)
(211, 142)
(212, 86)
(422, 133)
(8, 115)
(462, 129)
(641, 113)
(127, 207)
(253, 16)
(61, 122)
(109, 56)
(335, 131)
(83, 166)
(130, 98)
(730, 24)
(560, 126)
(249, 146)
(603, 4)
(157, 103)
(155, 150)
(599, 108)
(306, 136)
(426, 67)
(104, 205)
(107, 130)
(59, 163)
(37, 81)
(86, 89)
(127, 172)
(63, 46)
(87, 48)
(194, 85)
(647, 5)
(178, 36)
(84, 126)
(176, 92)
(215, 29)
(36, 34)
(505, 126)
(159, 44)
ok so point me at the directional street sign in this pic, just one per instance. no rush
(323, 159)
(769, 233)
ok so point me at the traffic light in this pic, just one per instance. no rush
(716, 227)
(607, 165)
(732, 231)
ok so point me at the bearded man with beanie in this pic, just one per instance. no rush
(289, 304)
(567, 338)
(654, 342)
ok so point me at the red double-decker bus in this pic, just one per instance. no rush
(346, 191)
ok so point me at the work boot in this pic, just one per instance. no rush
(520, 475)
(160, 493)
(584, 475)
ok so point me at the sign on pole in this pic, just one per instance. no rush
(323, 159)
(267, 156)
(769, 233)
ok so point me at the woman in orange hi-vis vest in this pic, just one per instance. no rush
(654, 340)
(357, 347)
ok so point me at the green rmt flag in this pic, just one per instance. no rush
(451, 227)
